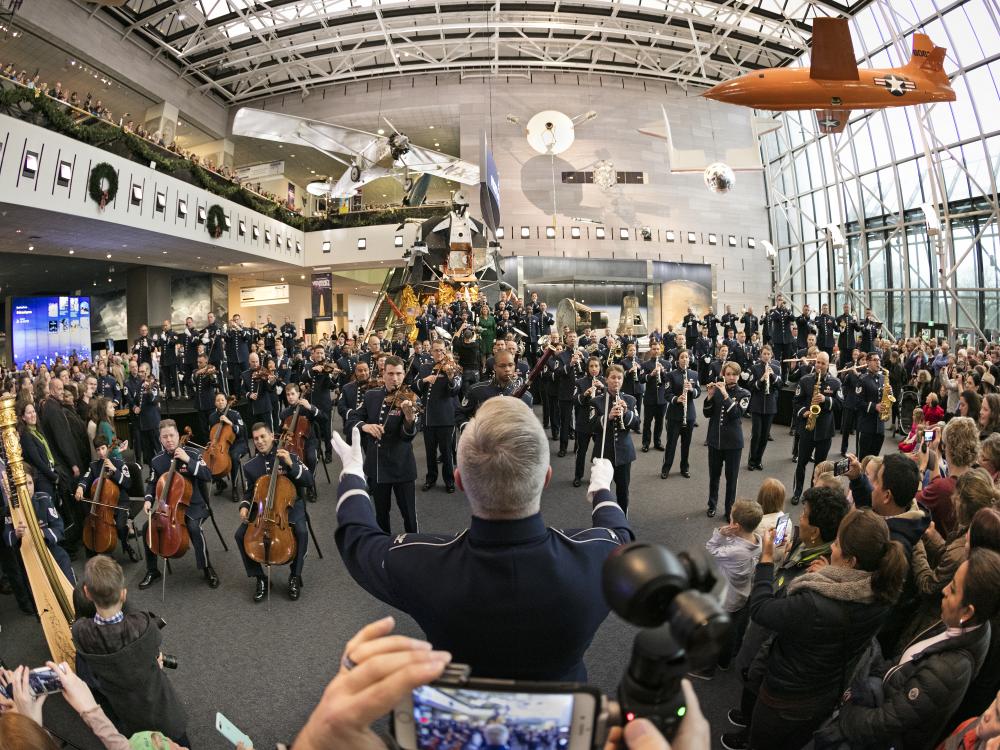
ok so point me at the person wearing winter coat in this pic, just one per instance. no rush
(914, 696)
(822, 627)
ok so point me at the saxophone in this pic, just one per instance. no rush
(887, 398)
(814, 409)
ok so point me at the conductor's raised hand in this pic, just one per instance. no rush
(351, 457)
(602, 472)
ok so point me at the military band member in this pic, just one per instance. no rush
(633, 386)
(692, 327)
(372, 351)
(728, 319)
(238, 342)
(711, 325)
(439, 384)
(567, 369)
(804, 326)
(703, 352)
(653, 376)
(288, 334)
(204, 381)
(50, 523)
(587, 388)
(107, 386)
(322, 381)
(682, 390)
(503, 383)
(118, 474)
(239, 448)
(764, 381)
(548, 387)
(826, 330)
(782, 341)
(192, 469)
(269, 334)
(256, 468)
(166, 343)
(191, 339)
(351, 395)
(259, 385)
(868, 393)
(389, 462)
(741, 352)
(814, 445)
(869, 328)
(142, 394)
(717, 363)
(143, 346)
(751, 323)
(725, 404)
(849, 382)
(847, 327)
(616, 434)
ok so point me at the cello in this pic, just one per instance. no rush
(269, 539)
(168, 533)
(220, 439)
(100, 532)
(297, 429)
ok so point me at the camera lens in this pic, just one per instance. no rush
(169, 661)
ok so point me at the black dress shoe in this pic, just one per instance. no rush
(645, 449)
(751, 467)
(562, 452)
(795, 499)
(311, 494)
(235, 496)
(220, 487)
(147, 580)
(450, 489)
(685, 473)
(664, 474)
(294, 587)
(211, 578)
(710, 512)
(426, 486)
(658, 447)
(577, 482)
(261, 590)
(132, 553)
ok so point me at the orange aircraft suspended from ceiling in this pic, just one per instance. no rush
(833, 85)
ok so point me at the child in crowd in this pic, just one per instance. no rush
(771, 497)
(912, 441)
(736, 549)
(933, 413)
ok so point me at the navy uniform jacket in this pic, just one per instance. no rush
(692, 325)
(725, 418)
(618, 446)
(350, 398)
(322, 387)
(215, 346)
(714, 369)
(288, 332)
(751, 324)
(702, 348)
(566, 373)
(547, 321)
(868, 395)
(261, 465)
(204, 390)
(194, 471)
(389, 460)
(711, 322)
(581, 402)
(191, 340)
(654, 393)
(239, 446)
(869, 332)
(846, 339)
(120, 477)
(780, 319)
(741, 354)
(269, 332)
(439, 397)
(633, 384)
(675, 385)
(108, 387)
(264, 403)
(512, 599)
(49, 521)
(826, 331)
(762, 402)
(148, 401)
(830, 389)
(803, 327)
(424, 325)
(849, 384)
(728, 320)
(166, 342)
(143, 349)
(482, 391)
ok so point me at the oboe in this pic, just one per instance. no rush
(684, 413)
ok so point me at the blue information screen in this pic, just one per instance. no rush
(44, 328)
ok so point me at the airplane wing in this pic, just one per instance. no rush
(832, 56)
(428, 161)
(345, 187)
(323, 136)
(832, 120)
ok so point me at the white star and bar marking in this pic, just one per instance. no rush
(896, 85)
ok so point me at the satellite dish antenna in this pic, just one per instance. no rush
(550, 132)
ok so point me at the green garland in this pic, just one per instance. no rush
(98, 175)
(215, 221)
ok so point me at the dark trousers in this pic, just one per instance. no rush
(203, 426)
(168, 380)
(717, 460)
(197, 534)
(546, 411)
(847, 423)
(689, 342)
(255, 570)
(324, 426)
(469, 377)
(582, 444)
(623, 475)
(809, 450)
(438, 440)
(675, 429)
(554, 415)
(784, 729)
(565, 423)
(869, 444)
(405, 501)
(186, 370)
(759, 433)
(150, 443)
(652, 425)
(266, 417)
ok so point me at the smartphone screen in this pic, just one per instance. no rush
(441, 716)
(781, 529)
(929, 436)
(840, 467)
(230, 731)
(43, 681)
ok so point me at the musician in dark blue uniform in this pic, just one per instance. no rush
(692, 325)
(814, 444)
(725, 404)
(782, 341)
(849, 382)
(588, 388)
(633, 386)
(322, 380)
(567, 368)
(764, 382)
(190, 469)
(826, 330)
(615, 432)
(682, 390)
(191, 339)
(869, 332)
(107, 386)
(142, 394)
(847, 327)
(728, 319)
(751, 323)
(239, 448)
(49, 522)
(118, 474)
(503, 383)
(311, 414)
(261, 465)
(259, 386)
(205, 381)
(804, 326)
(711, 325)
(352, 394)
(703, 351)
(868, 402)
(143, 346)
(166, 342)
(461, 588)
(439, 385)
(653, 376)
(389, 462)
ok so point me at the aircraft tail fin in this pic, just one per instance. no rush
(927, 58)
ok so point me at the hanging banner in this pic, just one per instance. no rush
(322, 296)
(261, 171)
(489, 188)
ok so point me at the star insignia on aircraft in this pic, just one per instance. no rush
(829, 122)
(896, 85)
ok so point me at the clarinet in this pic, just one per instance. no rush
(684, 413)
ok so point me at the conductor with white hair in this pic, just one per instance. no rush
(508, 596)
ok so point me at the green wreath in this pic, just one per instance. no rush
(215, 221)
(100, 174)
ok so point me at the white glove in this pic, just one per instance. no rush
(602, 471)
(351, 458)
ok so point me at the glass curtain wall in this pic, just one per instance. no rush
(873, 179)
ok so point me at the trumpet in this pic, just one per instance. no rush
(613, 354)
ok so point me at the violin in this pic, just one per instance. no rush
(269, 539)
(220, 439)
(168, 534)
(404, 393)
(100, 532)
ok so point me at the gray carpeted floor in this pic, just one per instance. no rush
(265, 668)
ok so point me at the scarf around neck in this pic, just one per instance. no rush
(840, 584)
